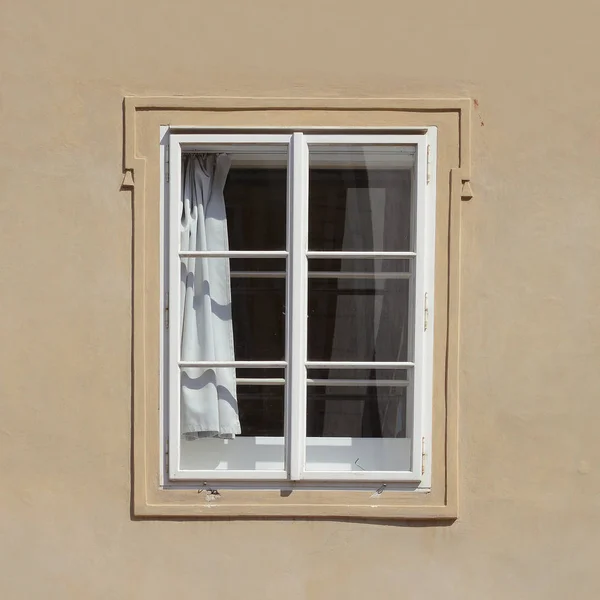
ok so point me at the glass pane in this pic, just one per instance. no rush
(258, 307)
(353, 425)
(367, 376)
(206, 399)
(272, 266)
(360, 198)
(243, 298)
(255, 200)
(234, 199)
(346, 267)
(357, 403)
(363, 318)
(261, 409)
(344, 454)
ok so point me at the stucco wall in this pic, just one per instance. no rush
(529, 523)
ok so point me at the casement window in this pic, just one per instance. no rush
(298, 307)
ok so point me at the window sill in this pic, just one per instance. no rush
(365, 504)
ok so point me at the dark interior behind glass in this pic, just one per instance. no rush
(256, 216)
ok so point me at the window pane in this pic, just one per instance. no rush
(344, 454)
(233, 198)
(261, 409)
(357, 402)
(255, 311)
(258, 308)
(356, 376)
(344, 268)
(261, 405)
(240, 192)
(274, 267)
(360, 198)
(255, 200)
(259, 395)
(352, 426)
(358, 318)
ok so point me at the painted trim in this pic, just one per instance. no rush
(141, 177)
(133, 104)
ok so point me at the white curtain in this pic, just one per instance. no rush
(366, 324)
(208, 395)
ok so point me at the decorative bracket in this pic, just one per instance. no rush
(466, 192)
(128, 181)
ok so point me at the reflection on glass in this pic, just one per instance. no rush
(359, 403)
(358, 319)
(346, 267)
(360, 198)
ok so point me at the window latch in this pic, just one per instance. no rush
(167, 310)
(167, 163)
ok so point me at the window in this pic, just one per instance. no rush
(299, 311)
(294, 188)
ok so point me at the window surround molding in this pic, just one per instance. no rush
(143, 119)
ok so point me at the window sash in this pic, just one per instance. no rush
(297, 254)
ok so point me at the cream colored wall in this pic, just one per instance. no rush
(529, 522)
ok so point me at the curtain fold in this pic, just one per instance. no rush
(208, 395)
(368, 326)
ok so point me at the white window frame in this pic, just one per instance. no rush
(421, 256)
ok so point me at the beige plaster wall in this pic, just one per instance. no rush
(529, 522)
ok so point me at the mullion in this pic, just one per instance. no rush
(297, 304)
